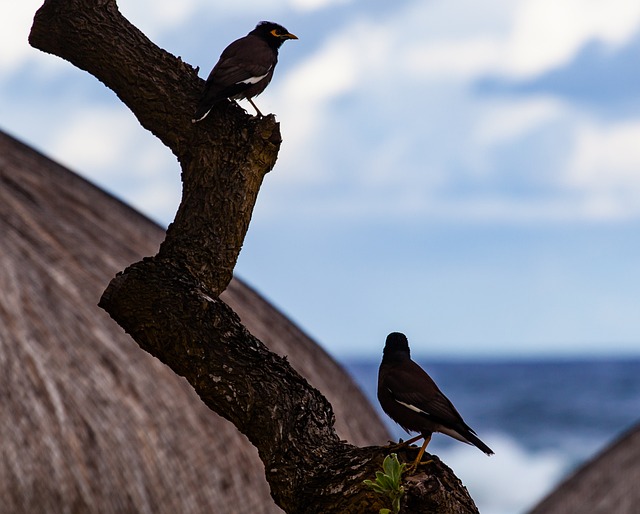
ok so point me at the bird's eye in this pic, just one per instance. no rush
(274, 33)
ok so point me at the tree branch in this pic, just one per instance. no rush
(223, 161)
(169, 303)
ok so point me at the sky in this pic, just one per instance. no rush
(465, 172)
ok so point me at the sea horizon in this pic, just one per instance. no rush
(543, 418)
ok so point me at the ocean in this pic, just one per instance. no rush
(542, 418)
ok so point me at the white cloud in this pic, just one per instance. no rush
(109, 147)
(507, 120)
(547, 33)
(305, 95)
(408, 85)
(413, 108)
(15, 25)
(457, 58)
(94, 138)
(607, 157)
(154, 17)
(17, 19)
(313, 5)
(605, 169)
(325, 75)
(519, 39)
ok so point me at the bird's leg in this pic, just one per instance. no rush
(256, 108)
(414, 466)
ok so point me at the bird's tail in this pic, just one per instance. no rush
(475, 441)
(467, 435)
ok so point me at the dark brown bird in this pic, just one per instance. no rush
(413, 400)
(244, 69)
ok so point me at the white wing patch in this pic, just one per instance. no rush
(254, 80)
(412, 407)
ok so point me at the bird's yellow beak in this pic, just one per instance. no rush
(274, 33)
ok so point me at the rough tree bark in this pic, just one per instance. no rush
(169, 303)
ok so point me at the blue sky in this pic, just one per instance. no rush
(465, 172)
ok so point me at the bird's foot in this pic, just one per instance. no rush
(414, 467)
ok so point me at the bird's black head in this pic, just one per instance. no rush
(396, 347)
(272, 33)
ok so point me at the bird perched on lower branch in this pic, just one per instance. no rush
(244, 69)
(412, 399)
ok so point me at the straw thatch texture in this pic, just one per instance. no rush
(607, 484)
(88, 421)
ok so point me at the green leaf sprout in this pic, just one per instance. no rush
(387, 482)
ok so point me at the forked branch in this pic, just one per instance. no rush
(169, 303)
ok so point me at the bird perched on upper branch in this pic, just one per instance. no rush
(412, 399)
(244, 69)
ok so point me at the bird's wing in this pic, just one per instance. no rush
(246, 60)
(413, 388)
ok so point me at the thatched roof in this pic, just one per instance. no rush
(607, 484)
(88, 421)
